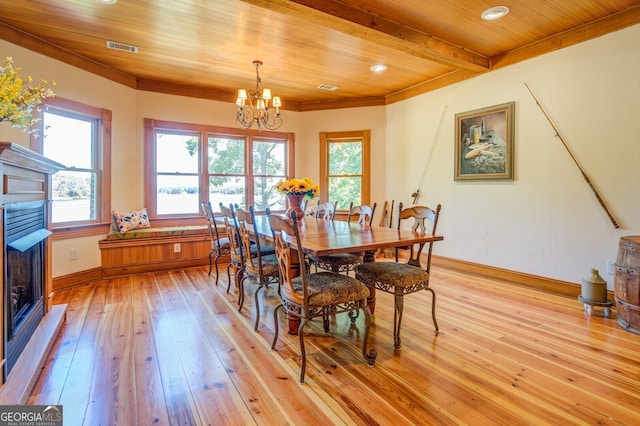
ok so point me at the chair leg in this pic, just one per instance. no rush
(370, 357)
(210, 264)
(433, 309)
(241, 294)
(275, 323)
(397, 318)
(257, 303)
(303, 354)
(326, 323)
(215, 262)
(228, 277)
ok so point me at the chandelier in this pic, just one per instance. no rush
(254, 108)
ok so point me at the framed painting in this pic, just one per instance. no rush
(484, 143)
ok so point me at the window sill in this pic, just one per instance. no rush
(75, 231)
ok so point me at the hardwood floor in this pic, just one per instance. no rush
(171, 348)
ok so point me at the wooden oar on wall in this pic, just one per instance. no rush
(584, 175)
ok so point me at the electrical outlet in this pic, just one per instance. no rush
(176, 247)
(611, 267)
(73, 254)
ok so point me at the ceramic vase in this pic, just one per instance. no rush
(295, 204)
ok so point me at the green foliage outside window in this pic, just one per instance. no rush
(345, 173)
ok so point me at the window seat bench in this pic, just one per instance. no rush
(154, 249)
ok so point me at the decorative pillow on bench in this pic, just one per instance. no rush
(131, 220)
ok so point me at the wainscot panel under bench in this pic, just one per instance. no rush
(154, 249)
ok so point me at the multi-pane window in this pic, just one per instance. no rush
(344, 168)
(221, 165)
(177, 177)
(74, 135)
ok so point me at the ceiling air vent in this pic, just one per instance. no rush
(327, 87)
(122, 46)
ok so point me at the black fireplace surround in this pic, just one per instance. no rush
(25, 233)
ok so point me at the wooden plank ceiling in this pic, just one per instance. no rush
(205, 48)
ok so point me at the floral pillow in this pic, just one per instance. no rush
(131, 220)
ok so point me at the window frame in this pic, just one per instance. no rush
(102, 149)
(326, 138)
(151, 126)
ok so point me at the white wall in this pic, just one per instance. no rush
(546, 222)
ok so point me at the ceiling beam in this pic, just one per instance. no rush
(366, 26)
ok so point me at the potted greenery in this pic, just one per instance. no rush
(19, 99)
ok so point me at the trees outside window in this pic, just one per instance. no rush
(344, 168)
(190, 163)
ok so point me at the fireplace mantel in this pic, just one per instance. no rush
(16, 155)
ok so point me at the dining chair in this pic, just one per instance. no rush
(400, 278)
(235, 245)
(314, 295)
(260, 262)
(346, 262)
(219, 246)
(342, 262)
(363, 212)
(326, 211)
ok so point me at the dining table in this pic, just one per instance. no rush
(320, 237)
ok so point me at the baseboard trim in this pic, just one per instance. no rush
(77, 278)
(564, 288)
(99, 273)
(550, 285)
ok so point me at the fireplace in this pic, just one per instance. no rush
(24, 234)
(25, 199)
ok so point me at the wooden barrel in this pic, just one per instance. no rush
(627, 283)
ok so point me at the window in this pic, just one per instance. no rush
(344, 167)
(238, 167)
(77, 136)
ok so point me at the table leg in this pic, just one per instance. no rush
(293, 322)
(370, 256)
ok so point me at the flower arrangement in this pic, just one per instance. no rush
(304, 186)
(17, 102)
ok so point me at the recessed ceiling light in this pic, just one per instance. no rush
(107, 1)
(378, 68)
(494, 13)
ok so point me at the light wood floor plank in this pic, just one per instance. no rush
(171, 348)
(149, 394)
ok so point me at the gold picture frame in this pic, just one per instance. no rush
(484, 143)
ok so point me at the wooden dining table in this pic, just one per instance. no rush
(321, 237)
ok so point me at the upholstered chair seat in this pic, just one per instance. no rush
(326, 288)
(341, 262)
(390, 275)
